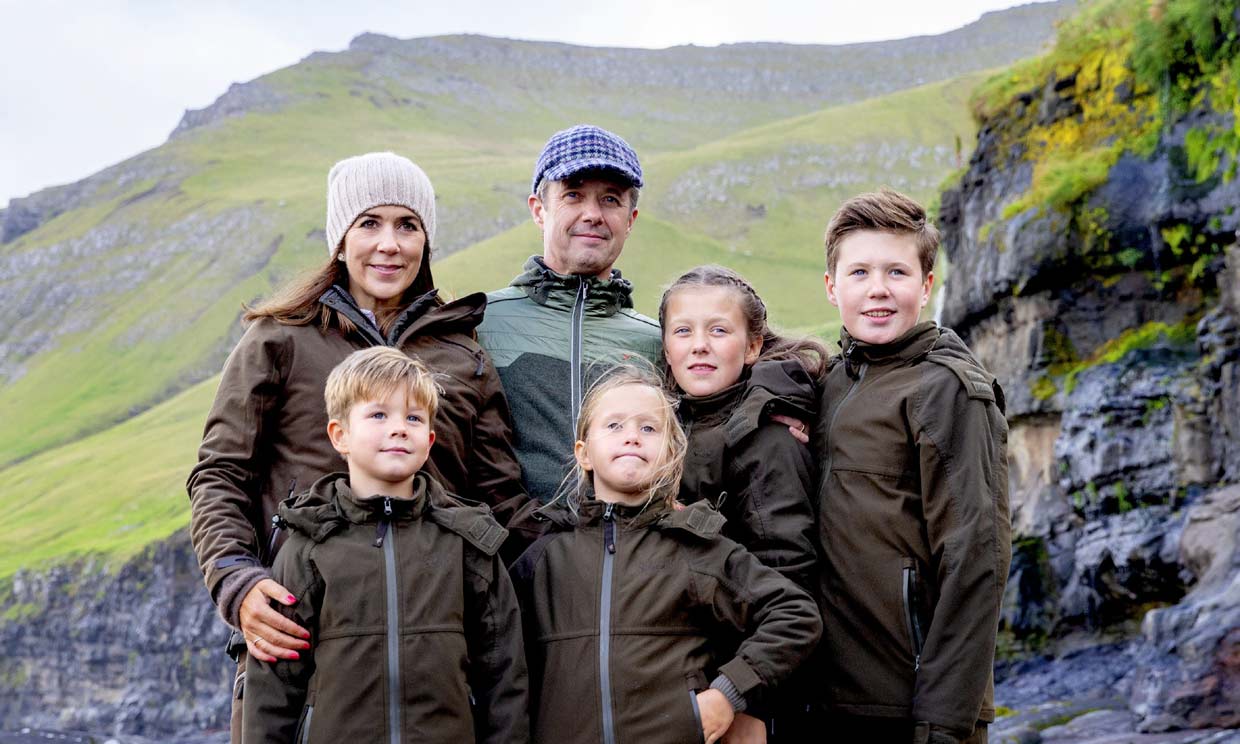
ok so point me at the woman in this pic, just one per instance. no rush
(266, 435)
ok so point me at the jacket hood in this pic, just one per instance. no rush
(547, 287)
(330, 504)
(766, 388)
(698, 519)
(424, 313)
(913, 343)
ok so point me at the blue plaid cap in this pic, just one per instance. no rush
(586, 147)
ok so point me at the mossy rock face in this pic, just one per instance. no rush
(1085, 154)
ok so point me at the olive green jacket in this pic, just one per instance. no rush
(628, 613)
(915, 530)
(415, 630)
(549, 336)
(752, 471)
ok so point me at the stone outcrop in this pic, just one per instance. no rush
(1098, 278)
(136, 649)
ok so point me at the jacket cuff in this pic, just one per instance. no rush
(734, 696)
(741, 675)
(232, 590)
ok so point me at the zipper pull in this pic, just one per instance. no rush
(609, 529)
(387, 506)
(380, 533)
(482, 364)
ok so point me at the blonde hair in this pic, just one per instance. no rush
(374, 373)
(664, 484)
(888, 211)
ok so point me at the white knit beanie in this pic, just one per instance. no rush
(373, 180)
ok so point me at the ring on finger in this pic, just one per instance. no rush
(255, 640)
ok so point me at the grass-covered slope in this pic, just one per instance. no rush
(124, 486)
(123, 290)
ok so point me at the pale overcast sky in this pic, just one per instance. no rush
(88, 84)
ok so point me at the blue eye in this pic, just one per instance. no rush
(378, 415)
(648, 429)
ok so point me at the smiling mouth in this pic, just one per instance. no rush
(879, 313)
(702, 368)
(629, 454)
(386, 268)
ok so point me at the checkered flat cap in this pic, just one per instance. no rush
(586, 147)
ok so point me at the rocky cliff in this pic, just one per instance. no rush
(135, 650)
(1095, 268)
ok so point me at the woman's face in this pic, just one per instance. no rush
(383, 251)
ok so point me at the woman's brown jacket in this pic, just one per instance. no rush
(266, 435)
(629, 613)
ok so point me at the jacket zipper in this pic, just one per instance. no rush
(305, 725)
(604, 625)
(579, 313)
(826, 470)
(393, 624)
(909, 594)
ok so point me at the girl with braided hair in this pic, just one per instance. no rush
(734, 374)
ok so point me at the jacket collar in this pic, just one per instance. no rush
(604, 297)
(424, 312)
(913, 343)
(330, 504)
(590, 512)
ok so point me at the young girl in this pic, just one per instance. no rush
(735, 374)
(642, 622)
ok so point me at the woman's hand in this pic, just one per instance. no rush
(746, 729)
(268, 634)
(717, 714)
(797, 428)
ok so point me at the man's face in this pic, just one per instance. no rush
(584, 224)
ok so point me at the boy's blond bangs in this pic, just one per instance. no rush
(373, 374)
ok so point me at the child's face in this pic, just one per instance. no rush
(705, 339)
(625, 444)
(878, 285)
(385, 442)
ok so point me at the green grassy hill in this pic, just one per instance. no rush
(125, 288)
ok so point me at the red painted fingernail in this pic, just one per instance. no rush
(291, 598)
(306, 645)
(296, 656)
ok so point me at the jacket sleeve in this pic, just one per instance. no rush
(497, 673)
(962, 446)
(222, 486)
(274, 698)
(779, 621)
(494, 468)
(776, 516)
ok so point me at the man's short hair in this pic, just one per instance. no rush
(887, 211)
(373, 374)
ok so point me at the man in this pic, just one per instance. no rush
(570, 311)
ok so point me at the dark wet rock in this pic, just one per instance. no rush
(137, 650)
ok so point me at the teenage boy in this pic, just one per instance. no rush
(913, 497)
(416, 634)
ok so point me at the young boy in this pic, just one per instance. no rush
(913, 497)
(416, 634)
